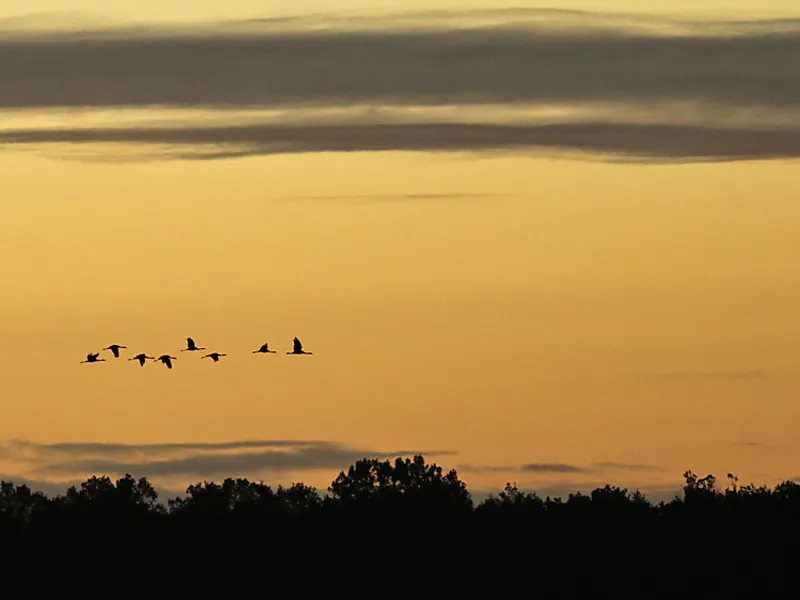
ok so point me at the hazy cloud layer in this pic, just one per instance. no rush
(749, 444)
(77, 449)
(639, 89)
(648, 143)
(309, 458)
(552, 56)
(704, 375)
(532, 467)
(196, 460)
(616, 466)
(402, 197)
(556, 468)
(551, 468)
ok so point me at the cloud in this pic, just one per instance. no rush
(74, 449)
(217, 465)
(551, 468)
(578, 84)
(604, 466)
(755, 445)
(700, 375)
(597, 467)
(402, 197)
(553, 56)
(196, 459)
(628, 142)
(470, 468)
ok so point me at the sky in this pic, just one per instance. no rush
(552, 245)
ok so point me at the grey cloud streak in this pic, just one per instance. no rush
(736, 84)
(551, 468)
(72, 449)
(761, 445)
(558, 468)
(626, 466)
(196, 459)
(709, 375)
(543, 61)
(655, 143)
(229, 465)
(403, 197)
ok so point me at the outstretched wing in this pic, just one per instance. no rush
(115, 350)
(298, 346)
(190, 343)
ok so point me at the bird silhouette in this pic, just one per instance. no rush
(264, 350)
(298, 348)
(92, 357)
(142, 357)
(214, 356)
(115, 349)
(191, 346)
(166, 359)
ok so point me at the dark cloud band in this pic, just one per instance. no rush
(73, 449)
(547, 60)
(616, 141)
(730, 89)
(196, 459)
(557, 468)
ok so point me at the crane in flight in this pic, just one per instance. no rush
(166, 359)
(141, 358)
(92, 357)
(191, 346)
(115, 349)
(214, 356)
(298, 348)
(264, 350)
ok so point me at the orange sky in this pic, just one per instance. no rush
(513, 309)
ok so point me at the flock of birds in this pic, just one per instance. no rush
(94, 357)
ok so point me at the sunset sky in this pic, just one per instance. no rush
(556, 245)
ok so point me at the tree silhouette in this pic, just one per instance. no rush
(407, 503)
(404, 494)
(18, 507)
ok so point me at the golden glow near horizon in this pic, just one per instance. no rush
(514, 309)
(192, 10)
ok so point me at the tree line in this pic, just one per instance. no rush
(404, 493)
(403, 503)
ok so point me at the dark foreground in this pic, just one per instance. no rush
(420, 524)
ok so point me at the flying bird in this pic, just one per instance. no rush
(191, 346)
(92, 357)
(141, 358)
(166, 359)
(264, 350)
(214, 356)
(298, 348)
(115, 349)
